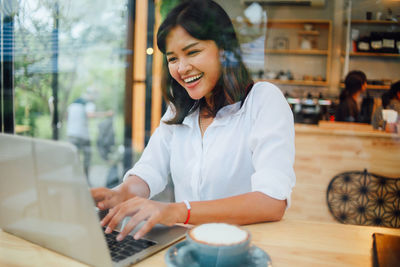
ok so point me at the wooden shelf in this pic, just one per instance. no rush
(295, 82)
(292, 23)
(298, 24)
(367, 54)
(321, 30)
(372, 87)
(300, 21)
(367, 27)
(375, 22)
(296, 51)
(312, 33)
(378, 87)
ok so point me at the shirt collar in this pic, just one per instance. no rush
(229, 110)
(221, 118)
(191, 119)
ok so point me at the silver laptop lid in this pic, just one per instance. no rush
(44, 198)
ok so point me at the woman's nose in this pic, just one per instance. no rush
(184, 67)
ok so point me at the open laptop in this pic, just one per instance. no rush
(45, 198)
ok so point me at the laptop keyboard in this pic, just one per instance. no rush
(121, 250)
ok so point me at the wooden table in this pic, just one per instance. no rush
(288, 242)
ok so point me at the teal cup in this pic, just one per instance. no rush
(214, 254)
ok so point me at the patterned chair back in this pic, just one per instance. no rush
(363, 198)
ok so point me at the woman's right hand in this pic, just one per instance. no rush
(106, 198)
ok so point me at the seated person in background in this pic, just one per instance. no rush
(390, 100)
(228, 143)
(355, 84)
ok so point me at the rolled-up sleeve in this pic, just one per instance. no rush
(272, 144)
(154, 164)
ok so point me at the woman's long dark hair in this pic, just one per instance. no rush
(353, 83)
(205, 20)
(391, 94)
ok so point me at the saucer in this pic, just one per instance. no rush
(257, 258)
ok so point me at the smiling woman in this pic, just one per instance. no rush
(227, 143)
(203, 26)
(193, 63)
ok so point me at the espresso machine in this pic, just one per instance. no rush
(310, 110)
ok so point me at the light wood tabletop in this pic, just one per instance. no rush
(288, 242)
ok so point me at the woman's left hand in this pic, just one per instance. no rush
(141, 209)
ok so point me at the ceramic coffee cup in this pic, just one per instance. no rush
(216, 244)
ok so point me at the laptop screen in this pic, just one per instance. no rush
(45, 199)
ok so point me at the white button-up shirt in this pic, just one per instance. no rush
(245, 149)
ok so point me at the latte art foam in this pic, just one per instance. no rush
(218, 234)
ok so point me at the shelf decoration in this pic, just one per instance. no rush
(281, 43)
(308, 37)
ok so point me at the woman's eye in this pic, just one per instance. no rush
(193, 52)
(171, 59)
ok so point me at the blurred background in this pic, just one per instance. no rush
(89, 73)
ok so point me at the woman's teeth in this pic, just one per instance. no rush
(193, 78)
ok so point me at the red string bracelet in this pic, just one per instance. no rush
(188, 209)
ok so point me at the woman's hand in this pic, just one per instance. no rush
(106, 198)
(142, 209)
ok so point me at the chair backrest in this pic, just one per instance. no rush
(363, 198)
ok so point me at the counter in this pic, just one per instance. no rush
(330, 148)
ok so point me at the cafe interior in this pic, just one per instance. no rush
(345, 205)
